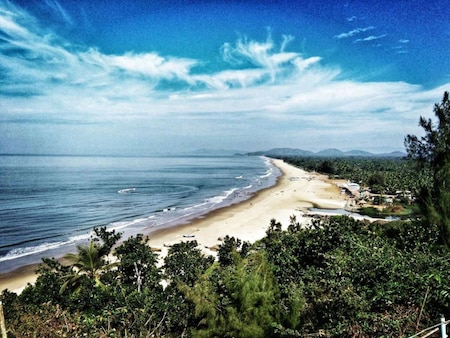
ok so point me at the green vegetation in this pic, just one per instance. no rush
(396, 180)
(392, 179)
(338, 277)
(382, 175)
(432, 152)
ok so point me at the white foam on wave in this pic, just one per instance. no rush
(220, 198)
(214, 200)
(208, 202)
(268, 173)
(124, 224)
(194, 206)
(21, 252)
(77, 238)
(270, 169)
(126, 191)
(32, 250)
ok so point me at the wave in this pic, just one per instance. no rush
(78, 238)
(267, 174)
(169, 209)
(165, 189)
(220, 198)
(165, 212)
(126, 191)
(270, 168)
(21, 252)
(32, 250)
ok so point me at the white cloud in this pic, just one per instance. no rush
(10, 26)
(353, 32)
(59, 11)
(286, 40)
(272, 64)
(144, 64)
(370, 38)
(263, 85)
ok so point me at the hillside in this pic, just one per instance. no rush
(282, 152)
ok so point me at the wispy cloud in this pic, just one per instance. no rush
(52, 70)
(353, 32)
(400, 49)
(59, 11)
(370, 38)
(272, 64)
(403, 40)
(46, 78)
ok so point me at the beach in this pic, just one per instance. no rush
(295, 191)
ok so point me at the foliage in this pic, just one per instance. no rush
(383, 175)
(107, 238)
(235, 301)
(338, 277)
(230, 246)
(48, 284)
(86, 264)
(354, 273)
(326, 167)
(90, 262)
(185, 263)
(137, 268)
(395, 211)
(432, 151)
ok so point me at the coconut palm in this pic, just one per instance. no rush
(88, 262)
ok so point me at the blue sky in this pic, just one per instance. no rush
(139, 77)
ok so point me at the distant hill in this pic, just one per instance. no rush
(281, 152)
(211, 152)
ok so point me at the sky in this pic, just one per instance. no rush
(145, 77)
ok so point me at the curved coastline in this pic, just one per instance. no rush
(293, 193)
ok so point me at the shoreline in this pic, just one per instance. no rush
(294, 192)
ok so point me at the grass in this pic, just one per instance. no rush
(398, 210)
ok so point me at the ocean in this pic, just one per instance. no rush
(50, 204)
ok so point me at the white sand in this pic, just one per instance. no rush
(295, 191)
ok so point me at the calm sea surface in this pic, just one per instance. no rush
(49, 204)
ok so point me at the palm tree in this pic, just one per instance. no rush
(88, 262)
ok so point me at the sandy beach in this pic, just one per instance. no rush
(295, 192)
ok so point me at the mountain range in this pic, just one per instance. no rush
(281, 152)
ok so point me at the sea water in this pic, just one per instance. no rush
(50, 204)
